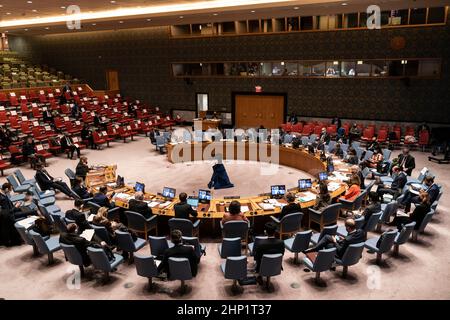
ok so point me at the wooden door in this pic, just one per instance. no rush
(112, 80)
(252, 111)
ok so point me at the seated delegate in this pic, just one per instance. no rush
(101, 199)
(178, 251)
(47, 182)
(138, 205)
(291, 207)
(341, 244)
(183, 210)
(234, 213)
(431, 189)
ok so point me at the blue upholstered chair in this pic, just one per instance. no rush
(125, 242)
(186, 226)
(421, 228)
(26, 237)
(331, 230)
(100, 261)
(270, 267)
(386, 244)
(351, 257)
(327, 216)
(158, 245)
(138, 223)
(403, 236)
(289, 224)
(73, 256)
(146, 267)
(323, 262)
(18, 188)
(180, 269)
(22, 180)
(235, 268)
(200, 249)
(298, 243)
(47, 247)
(230, 247)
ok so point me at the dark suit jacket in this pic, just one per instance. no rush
(184, 210)
(179, 251)
(410, 163)
(290, 208)
(6, 203)
(352, 238)
(418, 214)
(267, 246)
(399, 182)
(102, 200)
(369, 210)
(140, 207)
(82, 192)
(44, 181)
(79, 242)
(79, 218)
(81, 170)
(433, 192)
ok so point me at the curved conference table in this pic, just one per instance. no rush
(212, 213)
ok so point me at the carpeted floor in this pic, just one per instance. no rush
(421, 271)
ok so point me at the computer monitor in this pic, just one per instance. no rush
(193, 202)
(323, 176)
(169, 192)
(204, 195)
(139, 187)
(278, 191)
(304, 184)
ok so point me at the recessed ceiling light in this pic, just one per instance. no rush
(46, 28)
(29, 2)
(26, 29)
(215, 14)
(149, 20)
(181, 17)
(63, 7)
(8, 13)
(1, 6)
(112, 1)
(120, 21)
(296, 8)
(94, 24)
(253, 11)
(34, 10)
(344, 3)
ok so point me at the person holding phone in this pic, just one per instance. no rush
(341, 244)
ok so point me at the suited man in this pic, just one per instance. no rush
(178, 251)
(400, 180)
(324, 136)
(271, 245)
(47, 182)
(67, 144)
(82, 168)
(406, 161)
(102, 199)
(432, 190)
(18, 210)
(138, 205)
(373, 207)
(374, 144)
(182, 209)
(78, 216)
(353, 236)
(291, 207)
(80, 189)
(71, 237)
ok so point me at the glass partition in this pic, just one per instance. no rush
(348, 68)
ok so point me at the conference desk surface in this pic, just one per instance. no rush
(217, 207)
(287, 156)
